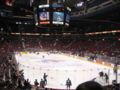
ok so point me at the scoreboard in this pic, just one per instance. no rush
(52, 15)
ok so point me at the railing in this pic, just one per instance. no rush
(103, 57)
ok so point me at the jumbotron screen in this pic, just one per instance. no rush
(51, 15)
(44, 18)
(67, 20)
(58, 17)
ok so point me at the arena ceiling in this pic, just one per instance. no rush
(21, 11)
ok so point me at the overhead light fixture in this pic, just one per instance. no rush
(80, 4)
(44, 6)
(1, 29)
(9, 2)
(17, 22)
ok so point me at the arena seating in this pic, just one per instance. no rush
(101, 47)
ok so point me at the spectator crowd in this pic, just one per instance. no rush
(9, 71)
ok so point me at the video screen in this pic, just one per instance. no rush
(35, 16)
(67, 18)
(58, 17)
(36, 19)
(44, 16)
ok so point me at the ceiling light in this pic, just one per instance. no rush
(80, 4)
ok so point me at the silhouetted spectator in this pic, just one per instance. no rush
(27, 84)
(106, 78)
(45, 78)
(90, 85)
(42, 83)
(101, 79)
(36, 83)
(68, 83)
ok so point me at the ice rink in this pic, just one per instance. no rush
(59, 67)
